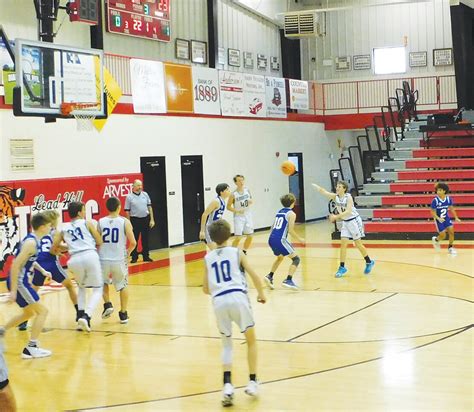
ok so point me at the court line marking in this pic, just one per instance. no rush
(280, 379)
(342, 317)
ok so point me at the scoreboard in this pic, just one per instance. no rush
(148, 19)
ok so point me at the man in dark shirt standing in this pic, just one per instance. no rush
(138, 209)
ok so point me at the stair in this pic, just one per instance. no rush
(396, 204)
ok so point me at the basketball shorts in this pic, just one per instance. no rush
(442, 226)
(86, 268)
(243, 225)
(54, 267)
(233, 307)
(280, 246)
(353, 229)
(25, 294)
(115, 273)
(206, 232)
(3, 369)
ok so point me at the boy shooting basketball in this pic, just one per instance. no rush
(352, 226)
(225, 281)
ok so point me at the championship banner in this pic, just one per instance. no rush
(254, 95)
(299, 96)
(231, 86)
(7, 70)
(179, 88)
(113, 92)
(206, 91)
(20, 199)
(148, 86)
(276, 97)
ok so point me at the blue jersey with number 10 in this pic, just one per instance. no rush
(280, 226)
(441, 207)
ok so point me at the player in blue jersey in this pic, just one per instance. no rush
(48, 260)
(213, 212)
(440, 206)
(21, 290)
(281, 247)
(225, 281)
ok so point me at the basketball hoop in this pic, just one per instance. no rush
(81, 112)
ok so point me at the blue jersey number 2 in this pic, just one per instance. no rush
(222, 271)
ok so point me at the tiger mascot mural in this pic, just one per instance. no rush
(9, 234)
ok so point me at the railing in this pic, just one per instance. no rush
(362, 96)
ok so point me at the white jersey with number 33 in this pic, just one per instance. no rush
(112, 230)
(223, 271)
(77, 236)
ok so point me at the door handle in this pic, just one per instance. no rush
(198, 197)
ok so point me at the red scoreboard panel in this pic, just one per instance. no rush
(148, 19)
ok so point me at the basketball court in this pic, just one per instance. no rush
(398, 339)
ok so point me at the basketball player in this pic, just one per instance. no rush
(213, 212)
(49, 262)
(225, 281)
(82, 238)
(352, 226)
(7, 398)
(115, 231)
(284, 224)
(239, 204)
(23, 293)
(439, 210)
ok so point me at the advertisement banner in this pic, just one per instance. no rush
(299, 97)
(206, 91)
(231, 86)
(276, 97)
(179, 88)
(20, 199)
(148, 86)
(254, 95)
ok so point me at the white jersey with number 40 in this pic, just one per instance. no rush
(112, 230)
(223, 271)
(242, 200)
(77, 236)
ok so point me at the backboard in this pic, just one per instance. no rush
(49, 74)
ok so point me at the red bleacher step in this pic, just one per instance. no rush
(411, 226)
(429, 187)
(417, 213)
(448, 142)
(435, 174)
(465, 152)
(458, 199)
(439, 163)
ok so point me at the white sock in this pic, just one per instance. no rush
(81, 298)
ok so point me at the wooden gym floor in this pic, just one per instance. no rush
(398, 339)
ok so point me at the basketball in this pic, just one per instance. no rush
(288, 168)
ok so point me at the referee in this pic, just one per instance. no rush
(138, 209)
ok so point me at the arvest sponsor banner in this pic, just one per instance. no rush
(276, 97)
(254, 95)
(206, 91)
(20, 199)
(148, 86)
(231, 87)
(299, 97)
(179, 88)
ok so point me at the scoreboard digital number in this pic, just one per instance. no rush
(148, 19)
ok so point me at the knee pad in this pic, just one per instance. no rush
(296, 260)
(226, 350)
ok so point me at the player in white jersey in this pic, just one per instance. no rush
(82, 240)
(225, 281)
(115, 231)
(352, 226)
(214, 211)
(239, 203)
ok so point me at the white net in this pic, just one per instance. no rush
(85, 122)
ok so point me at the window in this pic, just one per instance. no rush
(390, 60)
